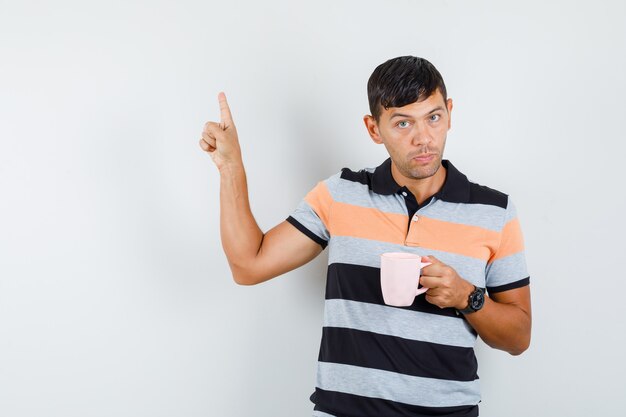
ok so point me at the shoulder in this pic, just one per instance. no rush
(348, 176)
(458, 188)
(348, 184)
(362, 176)
(481, 194)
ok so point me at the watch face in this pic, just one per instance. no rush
(478, 298)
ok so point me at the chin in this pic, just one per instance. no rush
(425, 172)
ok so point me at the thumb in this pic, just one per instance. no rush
(431, 259)
(226, 118)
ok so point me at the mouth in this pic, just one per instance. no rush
(424, 158)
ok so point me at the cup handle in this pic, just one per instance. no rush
(423, 289)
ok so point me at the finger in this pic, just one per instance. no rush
(204, 145)
(436, 292)
(431, 259)
(429, 281)
(210, 140)
(435, 268)
(214, 130)
(225, 116)
(212, 126)
(433, 300)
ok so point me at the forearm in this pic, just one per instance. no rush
(240, 234)
(502, 326)
(504, 320)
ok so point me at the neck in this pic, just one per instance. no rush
(423, 188)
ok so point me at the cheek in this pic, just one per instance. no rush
(440, 130)
(400, 134)
(394, 145)
(399, 139)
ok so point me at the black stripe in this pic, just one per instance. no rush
(362, 283)
(349, 405)
(480, 194)
(510, 286)
(396, 354)
(362, 177)
(323, 243)
(456, 188)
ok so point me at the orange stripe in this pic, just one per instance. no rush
(320, 200)
(512, 240)
(461, 239)
(369, 223)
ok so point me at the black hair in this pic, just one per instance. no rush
(401, 81)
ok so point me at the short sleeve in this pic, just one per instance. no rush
(312, 214)
(506, 269)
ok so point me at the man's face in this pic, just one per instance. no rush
(414, 135)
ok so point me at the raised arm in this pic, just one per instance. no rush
(253, 256)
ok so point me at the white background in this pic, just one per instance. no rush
(115, 296)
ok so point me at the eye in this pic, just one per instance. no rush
(403, 124)
(435, 118)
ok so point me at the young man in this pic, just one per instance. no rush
(379, 360)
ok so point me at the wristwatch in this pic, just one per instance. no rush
(475, 301)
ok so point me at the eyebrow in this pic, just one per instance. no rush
(409, 116)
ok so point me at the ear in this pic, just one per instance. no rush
(449, 106)
(372, 128)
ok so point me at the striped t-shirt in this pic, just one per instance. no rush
(378, 360)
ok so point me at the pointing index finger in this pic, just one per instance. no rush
(225, 117)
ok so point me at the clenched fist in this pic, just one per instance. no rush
(446, 287)
(220, 139)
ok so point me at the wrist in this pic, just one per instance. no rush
(475, 301)
(231, 168)
(467, 290)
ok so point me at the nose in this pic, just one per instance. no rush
(421, 135)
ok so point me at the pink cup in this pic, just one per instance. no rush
(399, 277)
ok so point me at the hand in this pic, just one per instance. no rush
(220, 140)
(446, 287)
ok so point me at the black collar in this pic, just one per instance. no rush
(456, 187)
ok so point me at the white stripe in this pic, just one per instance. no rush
(507, 270)
(366, 252)
(392, 321)
(308, 218)
(357, 194)
(487, 216)
(374, 383)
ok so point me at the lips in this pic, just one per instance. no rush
(423, 158)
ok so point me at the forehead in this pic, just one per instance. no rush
(418, 108)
